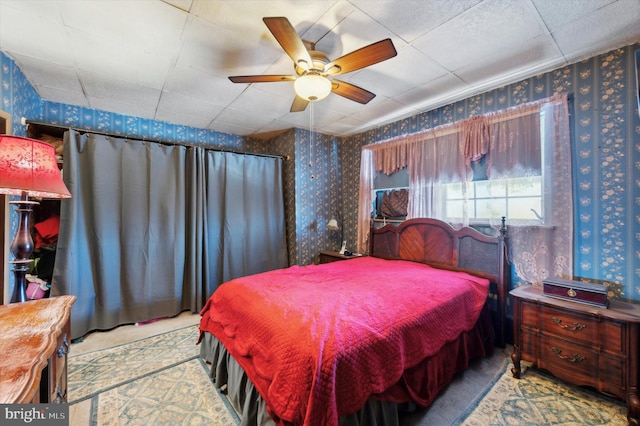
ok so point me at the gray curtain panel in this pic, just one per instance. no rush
(152, 230)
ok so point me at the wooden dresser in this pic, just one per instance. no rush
(34, 342)
(581, 344)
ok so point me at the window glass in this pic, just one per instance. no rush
(516, 198)
(454, 208)
(527, 208)
(489, 208)
(490, 188)
(525, 186)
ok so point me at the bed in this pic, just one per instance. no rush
(357, 342)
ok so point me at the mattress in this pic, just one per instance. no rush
(318, 341)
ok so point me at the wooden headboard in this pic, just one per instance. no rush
(438, 244)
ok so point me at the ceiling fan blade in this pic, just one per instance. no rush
(261, 78)
(286, 35)
(363, 57)
(352, 92)
(299, 104)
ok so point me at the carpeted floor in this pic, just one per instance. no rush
(152, 374)
(159, 380)
(540, 399)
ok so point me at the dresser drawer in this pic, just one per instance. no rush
(578, 328)
(569, 361)
(53, 386)
(58, 387)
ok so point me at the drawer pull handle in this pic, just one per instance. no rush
(60, 399)
(576, 326)
(576, 358)
(64, 348)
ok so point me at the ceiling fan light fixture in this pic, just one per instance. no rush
(312, 87)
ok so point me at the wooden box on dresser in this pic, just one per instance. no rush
(34, 343)
(582, 344)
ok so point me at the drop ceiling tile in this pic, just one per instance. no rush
(27, 32)
(246, 16)
(99, 55)
(256, 101)
(477, 34)
(96, 87)
(273, 126)
(54, 94)
(325, 25)
(152, 27)
(514, 65)
(413, 18)
(354, 32)
(379, 110)
(216, 49)
(194, 83)
(557, 14)
(231, 116)
(44, 73)
(342, 126)
(341, 105)
(35, 9)
(408, 69)
(188, 106)
(436, 92)
(578, 44)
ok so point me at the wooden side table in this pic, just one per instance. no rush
(582, 344)
(333, 256)
(34, 343)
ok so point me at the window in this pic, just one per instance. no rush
(520, 198)
(515, 198)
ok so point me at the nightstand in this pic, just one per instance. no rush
(333, 256)
(582, 344)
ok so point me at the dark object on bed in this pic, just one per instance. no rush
(404, 351)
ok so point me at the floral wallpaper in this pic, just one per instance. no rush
(321, 173)
(17, 96)
(134, 127)
(311, 188)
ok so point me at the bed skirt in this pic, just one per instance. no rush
(452, 358)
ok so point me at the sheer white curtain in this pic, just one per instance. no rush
(539, 252)
(511, 142)
(367, 173)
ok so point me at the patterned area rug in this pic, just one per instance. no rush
(160, 380)
(540, 399)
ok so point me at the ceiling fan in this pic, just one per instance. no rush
(313, 68)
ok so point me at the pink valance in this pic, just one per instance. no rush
(510, 137)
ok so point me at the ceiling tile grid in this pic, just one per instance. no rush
(170, 60)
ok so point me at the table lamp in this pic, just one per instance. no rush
(338, 225)
(28, 168)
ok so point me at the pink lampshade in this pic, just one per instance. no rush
(30, 166)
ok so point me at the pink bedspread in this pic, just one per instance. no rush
(317, 341)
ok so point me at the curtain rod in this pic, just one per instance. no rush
(143, 139)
